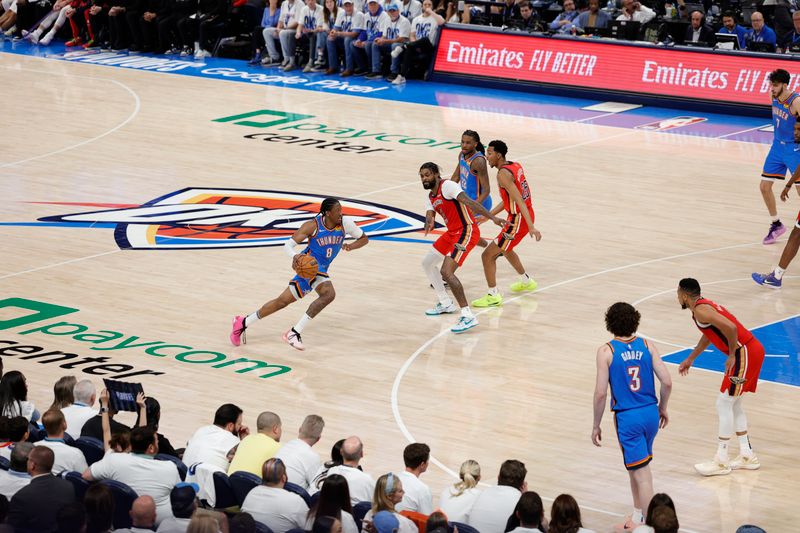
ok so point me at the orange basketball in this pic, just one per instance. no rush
(307, 267)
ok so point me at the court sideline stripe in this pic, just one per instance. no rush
(136, 108)
(412, 358)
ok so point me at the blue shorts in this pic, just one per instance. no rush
(299, 287)
(781, 157)
(636, 431)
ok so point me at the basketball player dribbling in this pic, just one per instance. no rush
(325, 235)
(628, 365)
(448, 200)
(785, 151)
(516, 195)
(745, 355)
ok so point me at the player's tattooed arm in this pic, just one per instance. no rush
(478, 166)
(303, 232)
(478, 209)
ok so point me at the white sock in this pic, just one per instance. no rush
(302, 323)
(467, 312)
(744, 446)
(775, 219)
(493, 291)
(637, 517)
(37, 32)
(778, 272)
(722, 450)
(251, 319)
(525, 278)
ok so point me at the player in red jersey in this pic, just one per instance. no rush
(745, 357)
(516, 195)
(448, 200)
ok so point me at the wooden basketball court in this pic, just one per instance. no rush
(625, 214)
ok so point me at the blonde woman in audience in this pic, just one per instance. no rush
(565, 516)
(456, 501)
(207, 522)
(62, 393)
(388, 493)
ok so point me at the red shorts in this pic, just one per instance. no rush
(744, 374)
(512, 233)
(458, 244)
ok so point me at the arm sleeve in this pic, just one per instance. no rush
(351, 229)
(290, 248)
(451, 189)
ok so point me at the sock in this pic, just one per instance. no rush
(775, 219)
(37, 32)
(525, 278)
(636, 516)
(722, 450)
(467, 312)
(251, 319)
(493, 291)
(744, 446)
(302, 323)
(778, 272)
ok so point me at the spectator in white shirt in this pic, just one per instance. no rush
(333, 501)
(565, 516)
(491, 510)
(636, 12)
(216, 444)
(14, 397)
(457, 500)
(270, 504)
(67, 458)
(417, 496)
(140, 470)
(529, 513)
(143, 515)
(17, 475)
(82, 409)
(394, 34)
(361, 484)
(62, 392)
(183, 500)
(388, 493)
(411, 9)
(302, 463)
(336, 460)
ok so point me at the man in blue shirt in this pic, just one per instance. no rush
(792, 38)
(730, 27)
(564, 20)
(761, 33)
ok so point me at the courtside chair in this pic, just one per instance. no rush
(225, 497)
(182, 468)
(92, 449)
(242, 483)
(78, 483)
(300, 491)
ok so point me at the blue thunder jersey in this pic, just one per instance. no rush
(631, 375)
(783, 120)
(468, 180)
(325, 244)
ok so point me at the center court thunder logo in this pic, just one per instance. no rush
(195, 218)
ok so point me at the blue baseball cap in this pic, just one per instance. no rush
(385, 522)
(392, 7)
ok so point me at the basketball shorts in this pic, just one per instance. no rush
(512, 233)
(782, 157)
(746, 368)
(299, 287)
(636, 431)
(458, 244)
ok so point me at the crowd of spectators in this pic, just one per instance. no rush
(51, 481)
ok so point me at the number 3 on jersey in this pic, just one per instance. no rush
(633, 374)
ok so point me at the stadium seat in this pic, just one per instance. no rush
(262, 528)
(242, 483)
(300, 491)
(4, 463)
(225, 497)
(464, 528)
(360, 510)
(78, 483)
(182, 469)
(92, 449)
(123, 501)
